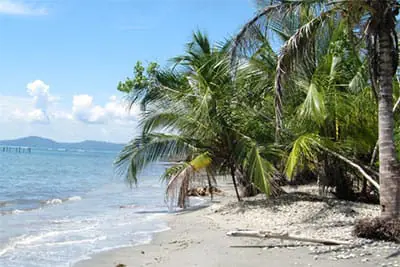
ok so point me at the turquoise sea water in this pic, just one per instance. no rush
(58, 207)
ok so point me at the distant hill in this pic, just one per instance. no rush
(39, 142)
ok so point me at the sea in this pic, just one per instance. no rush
(58, 207)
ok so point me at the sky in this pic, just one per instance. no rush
(61, 60)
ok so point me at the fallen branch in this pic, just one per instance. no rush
(284, 236)
(276, 246)
(358, 167)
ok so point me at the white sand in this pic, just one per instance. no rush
(198, 238)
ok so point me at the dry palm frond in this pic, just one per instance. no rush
(178, 184)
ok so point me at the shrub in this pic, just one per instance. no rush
(378, 229)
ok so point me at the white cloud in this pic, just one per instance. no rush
(37, 108)
(40, 93)
(59, 114)
(18, 114)
(37, 115)
(42, 114)
(42, 99)
(83, 109)
(14, 7)
(41, 108)
(34, 116)
(14, 108)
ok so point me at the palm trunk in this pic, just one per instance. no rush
(235, 184)
(377, 142)
(389, 179)
(183, 193)
(210, 189)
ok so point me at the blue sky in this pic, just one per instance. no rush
(60, 60)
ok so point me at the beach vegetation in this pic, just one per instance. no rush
(306, 87)
(195, 112)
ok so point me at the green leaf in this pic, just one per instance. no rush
(150, 148)
(313, 107)
(259, 170)
(304, 150)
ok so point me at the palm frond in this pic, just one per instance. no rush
(253, 159)
(259, 170)
(150, 148)
(160, 121)
(313, 108)
(269, 17)
(296, 51)
(304, 150)
(202, 161)
(360, 79)
(173, 171)
(178, 184)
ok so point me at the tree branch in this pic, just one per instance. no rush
(355, 165)
(284, 236)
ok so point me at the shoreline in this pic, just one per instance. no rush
(198, 238)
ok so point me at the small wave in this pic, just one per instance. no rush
(53, 201)
(74, 198)
(13, 242)
(56, 201)
(29, 240)
(16, 211)
(69, 242)
(18, 201)
(62, 221)
(17, 206)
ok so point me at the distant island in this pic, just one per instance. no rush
(40, 142)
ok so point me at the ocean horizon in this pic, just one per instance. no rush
(59, 207)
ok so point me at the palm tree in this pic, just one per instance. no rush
(372, 26)
(193, 113)
(335, 118)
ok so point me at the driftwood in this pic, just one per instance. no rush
(284, 236)
(203, 191)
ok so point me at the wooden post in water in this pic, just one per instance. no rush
(17, 149)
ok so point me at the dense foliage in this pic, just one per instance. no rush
(260, 113)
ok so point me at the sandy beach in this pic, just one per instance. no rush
(198, 238)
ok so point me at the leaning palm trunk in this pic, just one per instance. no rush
(235, 183)
(183, 195)
(389, 178)
(177, 187)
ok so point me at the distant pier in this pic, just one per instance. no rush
(15, 149)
